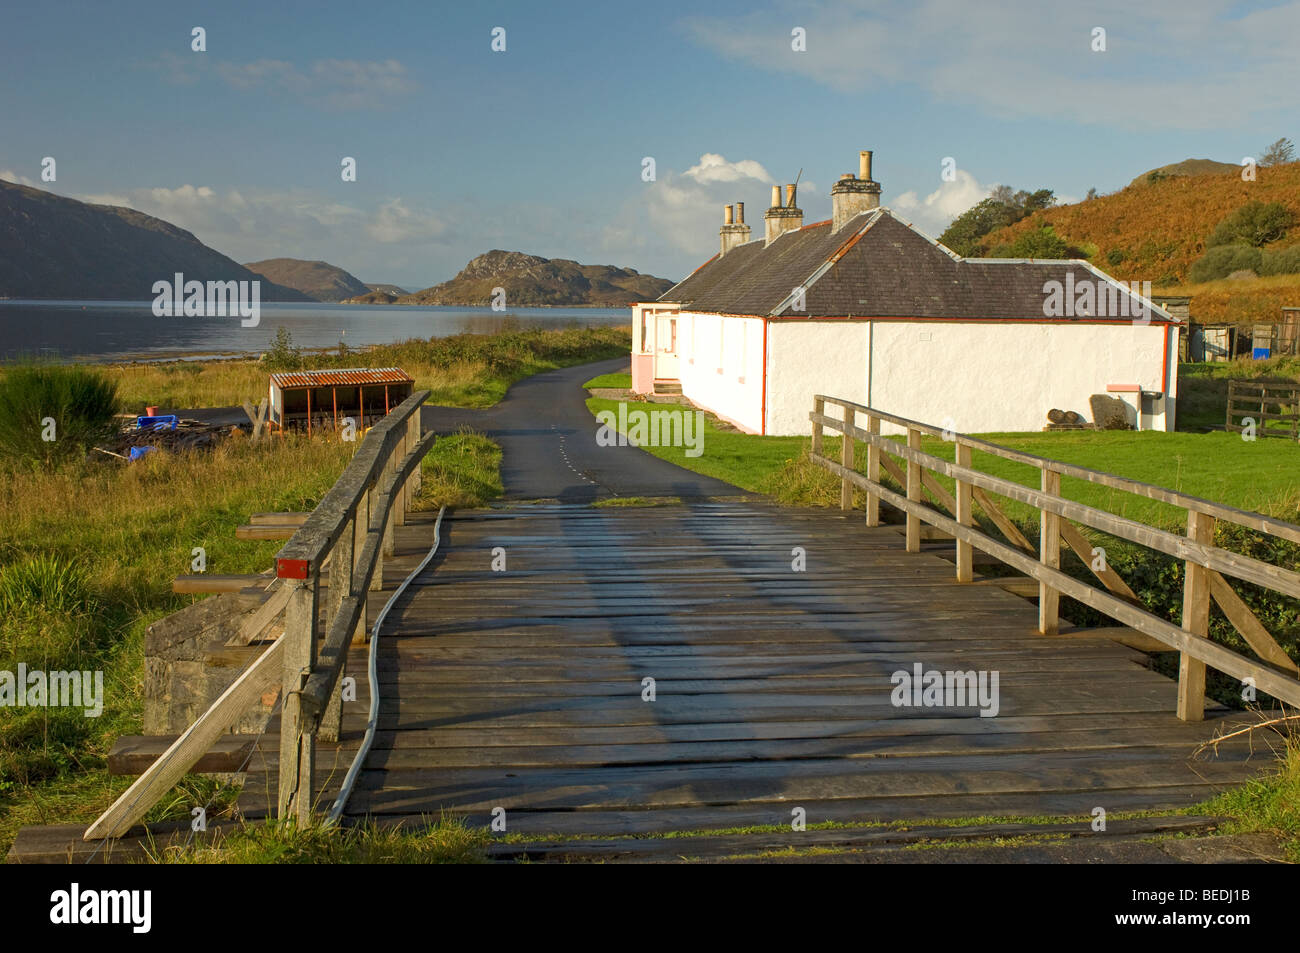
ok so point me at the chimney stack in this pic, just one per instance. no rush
(734, 231)
(781, 218)
(851, 196)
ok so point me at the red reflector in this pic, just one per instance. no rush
(291, 568)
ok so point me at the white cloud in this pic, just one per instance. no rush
(335, 84)
(394, 222)
(715, 168)
(11, 176)
(935, 212)
(1168, 63)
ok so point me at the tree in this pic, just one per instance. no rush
(1004, 206)
(1279, 153)
(1255, 224)
(1092, 194)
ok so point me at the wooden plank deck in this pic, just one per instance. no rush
(523, 689)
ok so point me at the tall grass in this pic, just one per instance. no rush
(468, 370)
(52, 413)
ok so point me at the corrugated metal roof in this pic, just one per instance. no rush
(339, 378)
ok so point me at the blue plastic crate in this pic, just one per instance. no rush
(137, 452)
(165, 422)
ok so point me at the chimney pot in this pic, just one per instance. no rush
(726, 215)
(740, 213)
(846, 175)
(864, 166)
(776, 196)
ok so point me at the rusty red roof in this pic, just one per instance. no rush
(351, 376)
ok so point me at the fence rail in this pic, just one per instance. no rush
(346, 538)
(1206, 564)
(1274, 409)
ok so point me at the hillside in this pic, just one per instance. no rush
(316, 279)
(1154, 231)
(56, 247)
(530, 281)
(1188, 167)
(387, 289)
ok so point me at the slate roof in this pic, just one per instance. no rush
(876, 266)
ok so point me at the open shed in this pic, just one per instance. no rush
(320, 400)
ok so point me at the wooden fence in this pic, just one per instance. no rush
(1274, 408)
(347, 537)
(1206, 564)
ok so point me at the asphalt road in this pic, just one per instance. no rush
(548, 441)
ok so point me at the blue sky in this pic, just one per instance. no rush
(539, 148)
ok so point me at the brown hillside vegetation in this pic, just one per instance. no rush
(1153, 231)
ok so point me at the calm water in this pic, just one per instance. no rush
(128, 330)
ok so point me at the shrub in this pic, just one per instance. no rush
(80, 403)
(1115, 256)
(1255, 223)
(1281, 261)
(1043, 243)
(1222, 260)
(282, 355)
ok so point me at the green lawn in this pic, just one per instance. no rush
(610, 380)
(1203, 388)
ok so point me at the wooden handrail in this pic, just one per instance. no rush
(1205, 563)
(1256, 521)
(352, 530)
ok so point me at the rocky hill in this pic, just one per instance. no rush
(57, 247)
(316, 279)
(387, 289)
(531, 281)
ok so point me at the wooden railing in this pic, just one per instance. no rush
(352, 529)
(1206, 564)
(1274, 408)
(347, 535)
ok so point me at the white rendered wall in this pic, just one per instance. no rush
(813, 357)
(720, 366)
(1006, 376)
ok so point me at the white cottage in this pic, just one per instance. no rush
(865, 307)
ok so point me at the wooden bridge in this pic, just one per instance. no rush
(607, 670)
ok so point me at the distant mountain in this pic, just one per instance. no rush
(389, 289)
(530, 281)
(56, 247)
(316, 279)
(1187, 167)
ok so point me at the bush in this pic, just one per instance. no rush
(282, 355)
(1222, 260)
(1255, 223)
(1043, 243)
(1281, 261)
(53, 413)
(1115, 256)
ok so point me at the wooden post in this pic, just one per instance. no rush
(377, 579)
(1049, 554)
(873, 472)
(913, 492)
(819, 407)
(340, 586)
(387, 529)
(1196, 620)
(847, 449)
(965, 552)
(399, 491)
(359, 522)
(297, 744)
